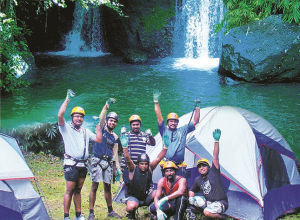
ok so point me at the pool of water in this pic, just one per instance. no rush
(95, 79)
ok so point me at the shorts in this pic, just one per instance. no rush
(146, 202)
(73, 173)
(101, 170)
(216, 207)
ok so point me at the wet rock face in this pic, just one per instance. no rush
(47, 28)
(263, 51)
(146, 31)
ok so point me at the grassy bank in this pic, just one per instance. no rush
(49, 174)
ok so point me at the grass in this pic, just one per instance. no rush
(49, 174)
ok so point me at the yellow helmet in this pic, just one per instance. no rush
(172, 115)
(78, 110)
(135, 118)
(170, 164)
(203, 161)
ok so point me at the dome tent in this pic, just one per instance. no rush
(258, 167)
(18, 199)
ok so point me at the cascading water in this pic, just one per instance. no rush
(85, 37)
(194, 39)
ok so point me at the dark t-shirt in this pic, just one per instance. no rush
(212, 186)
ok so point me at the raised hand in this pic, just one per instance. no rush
(70, 94)
(124, 140)
(148, 132)
(156, 95)
(110, 101)
(217, 134)
(197, 102)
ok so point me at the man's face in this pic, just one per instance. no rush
(77, 119)
(170, 174)
(203, 169)
(173, 123)
(135, 126)
(111, 123)
(143, 166)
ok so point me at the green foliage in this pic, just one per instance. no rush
(240, 12)
(157, 19)
(13, 49)
(39, 138)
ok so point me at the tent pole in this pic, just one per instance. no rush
(40, 191)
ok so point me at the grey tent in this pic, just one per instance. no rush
(18, 199)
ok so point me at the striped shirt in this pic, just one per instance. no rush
(137, 145)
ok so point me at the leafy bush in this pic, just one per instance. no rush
(240, 12)
(39, 138)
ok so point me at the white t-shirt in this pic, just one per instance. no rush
(74, 140)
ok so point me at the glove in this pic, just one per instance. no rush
(148, 132)
(110, 101)
(192, 200)
(118, 175)
(70, 94)
(160, 215)
(197, 102)
(162, 201)
(166, 140)
(123, 129)
(217, 134)
(156, 95)
(124, 140)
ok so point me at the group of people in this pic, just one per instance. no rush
(172, 195)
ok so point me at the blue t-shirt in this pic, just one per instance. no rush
(177, 140)
(105, 148)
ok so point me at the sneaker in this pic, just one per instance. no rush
(190, 215)
(113, 214)
(81, 217)
(91, 216)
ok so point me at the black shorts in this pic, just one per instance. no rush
(73, 173)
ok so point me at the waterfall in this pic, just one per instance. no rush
(85, 37)
(194, 37)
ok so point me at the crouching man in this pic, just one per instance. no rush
(139, 186)
(171, 195)
(214, 201)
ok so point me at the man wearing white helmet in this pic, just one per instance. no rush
(76, 141)
(105, 162)
(177, 136)
(214, 200)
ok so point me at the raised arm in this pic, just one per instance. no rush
(162, 154)
(124, 142)
(197, 112)
(216, 135)
(98, 134)
(157, 110)
(104, 110)
(63, 107)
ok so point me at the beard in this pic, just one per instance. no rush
(171, 178)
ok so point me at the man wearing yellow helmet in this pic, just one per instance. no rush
(171, 195)
(214, 200)
(76, 141)
(137, 142)
(177, 135)
(104, 162)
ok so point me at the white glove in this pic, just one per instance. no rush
(162, 201)
(148, 132)
(70, 94)
(192, 200)
(160, 215)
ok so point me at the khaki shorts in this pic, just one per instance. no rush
(100, 170)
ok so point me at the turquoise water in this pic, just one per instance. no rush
(96, 79)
